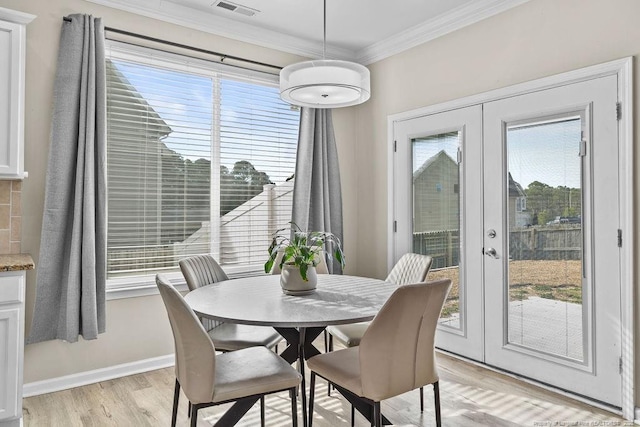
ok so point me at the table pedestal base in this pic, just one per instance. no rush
(300, 348)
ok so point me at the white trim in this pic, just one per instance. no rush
(450, 21)
(103, 374)
(186, 64)
(15, 16)
(391, 238)
(636, 419)
(625, 173)
(600, 70)
(623, 68)
(458, 18)
(142, 290)
(142, 286)
(191, 18)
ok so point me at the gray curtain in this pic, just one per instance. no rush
(70, 284)
(317, 195)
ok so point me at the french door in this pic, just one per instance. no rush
(517, 202)
(438, 191)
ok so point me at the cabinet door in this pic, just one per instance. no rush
(11, 106)
(9, 358)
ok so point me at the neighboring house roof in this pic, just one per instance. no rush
(135, 100)
(515, 189)
(441, 156)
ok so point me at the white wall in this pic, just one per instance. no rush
(137, 328)
(534, 40)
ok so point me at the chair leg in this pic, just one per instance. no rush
(326, 341)
(262, 412)
(312, 392)
(436, 398)
(194, 415)
(294, 408)
(421, 399)
(176, 398)
(189, 410)
(377, 415)
(353, 416)
(330, 349)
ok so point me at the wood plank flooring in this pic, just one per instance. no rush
(470, 396)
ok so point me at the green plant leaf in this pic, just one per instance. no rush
(303, 248)
(303, 272)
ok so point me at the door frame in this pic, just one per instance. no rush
(623, 69)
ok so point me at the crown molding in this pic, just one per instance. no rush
(15, 16)
(168, 11)
(453, 20)
(456, 19)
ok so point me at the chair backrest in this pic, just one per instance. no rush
(321, 268)
(397, 351)
(410, 268)
(201, 270)
(195, 353)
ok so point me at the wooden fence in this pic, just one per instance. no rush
(554, 242)
(546, 243)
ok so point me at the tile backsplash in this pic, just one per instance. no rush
(10, 217)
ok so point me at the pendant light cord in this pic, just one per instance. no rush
(324, 40)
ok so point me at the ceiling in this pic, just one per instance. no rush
(359, 30)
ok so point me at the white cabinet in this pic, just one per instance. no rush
(12, 78)
(12, 288)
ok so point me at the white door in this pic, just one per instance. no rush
(438, 211)
(517, 202)
(552, 271)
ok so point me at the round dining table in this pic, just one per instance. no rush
(259, 300)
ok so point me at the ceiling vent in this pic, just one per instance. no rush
(236, 8)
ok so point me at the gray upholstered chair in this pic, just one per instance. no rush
(243, 376)
(396, 353)
(201, 270)
(410, 268)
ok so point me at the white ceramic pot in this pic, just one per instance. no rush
(292, 283)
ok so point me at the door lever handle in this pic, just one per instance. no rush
(491, 252)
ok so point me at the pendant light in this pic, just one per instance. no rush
(325, 83)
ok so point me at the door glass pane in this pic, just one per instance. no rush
(436, 212)
(545, 237)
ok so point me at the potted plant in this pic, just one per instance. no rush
(300, 254)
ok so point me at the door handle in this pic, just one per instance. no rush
(491, 252)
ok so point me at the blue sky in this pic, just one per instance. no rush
(547, 153)
(186, 104)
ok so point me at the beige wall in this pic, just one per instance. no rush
(137, 328)
(537, 39)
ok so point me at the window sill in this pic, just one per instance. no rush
(142, 286)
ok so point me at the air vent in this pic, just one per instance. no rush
(236, 8)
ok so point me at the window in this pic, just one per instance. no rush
(199, 159)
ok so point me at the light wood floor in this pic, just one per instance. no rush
(470, 395)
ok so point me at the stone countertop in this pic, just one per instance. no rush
(16, 262)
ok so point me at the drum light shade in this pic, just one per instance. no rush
(325, 84)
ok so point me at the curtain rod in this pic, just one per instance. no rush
(222, 56)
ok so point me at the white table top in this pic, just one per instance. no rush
(259, 301)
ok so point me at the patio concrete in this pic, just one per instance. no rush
(542, 324)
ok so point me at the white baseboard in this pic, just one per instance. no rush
(90, 377)
(636, 417)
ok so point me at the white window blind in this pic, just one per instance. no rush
(198, 161)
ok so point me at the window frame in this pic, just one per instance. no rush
(143, 285)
